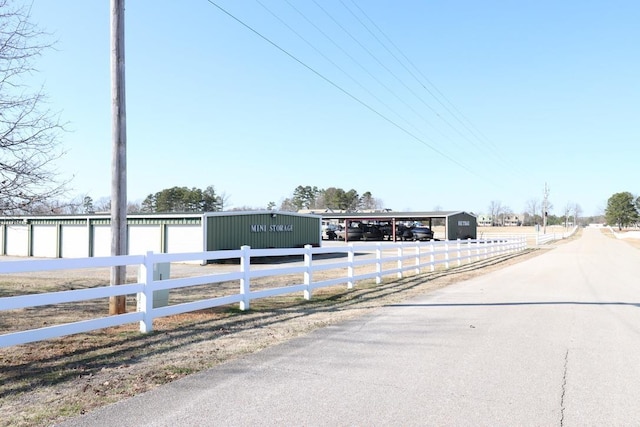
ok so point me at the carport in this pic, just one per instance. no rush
(458, 224)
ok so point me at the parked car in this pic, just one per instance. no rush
(422, 233)
(372, 232)
(352, 233)
(330, 231)
(404, 233)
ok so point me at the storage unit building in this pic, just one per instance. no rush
(461, 225)
(261, 230)
(78, 236)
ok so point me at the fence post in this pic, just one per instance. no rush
(432, 256)
(478, 251)
(399, 262)
(418, 252)
(350, 260)
(245, 282)
(308, 272)
(145, 298)
(469, 257)
(446, 255)
(378, 263)
(458, 252)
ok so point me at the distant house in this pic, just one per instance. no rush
(512, 220)
(485, 220)
(506, 220)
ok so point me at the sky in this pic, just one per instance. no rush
(425, 104)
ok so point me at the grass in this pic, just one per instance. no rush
(46, 382)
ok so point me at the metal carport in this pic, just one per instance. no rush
(458, 224)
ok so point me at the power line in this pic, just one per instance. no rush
(341, 89)
(346, 31)
(426, 104)
(457, 116)
(329, 59)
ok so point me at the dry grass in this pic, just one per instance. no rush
(49, 381)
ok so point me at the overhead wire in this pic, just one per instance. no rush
(343, 90)
(398, 79)
(366, 70)
(353, 79)
(392, 92)
(469, 126)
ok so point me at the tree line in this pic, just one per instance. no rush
(312, 197)
(186, 200)
(535, 213)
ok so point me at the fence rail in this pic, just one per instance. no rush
(543, 239)
(404, 257)
(534, 238)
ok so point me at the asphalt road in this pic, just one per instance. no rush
(553, 341)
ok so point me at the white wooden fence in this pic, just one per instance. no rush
(414, 256)
(534, 238)
(542, 239)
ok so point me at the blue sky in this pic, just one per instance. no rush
(448, 104)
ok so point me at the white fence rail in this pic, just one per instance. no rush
(542, 239)
(534, 238)
(404, 256)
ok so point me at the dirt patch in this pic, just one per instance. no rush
(49, 381)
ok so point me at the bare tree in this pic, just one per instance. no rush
(224, 201)
(287, 205)
(134, 207)
(533, 209)
(577, 212)
(504, 213)
(495, 209)
(103, 205)
(567, 213)
(28, 130)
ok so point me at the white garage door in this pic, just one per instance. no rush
(17, 240)
(144, 238)
(75, 241)
(44, 240)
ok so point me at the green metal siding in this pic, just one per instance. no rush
(262, 231)
(457, 228)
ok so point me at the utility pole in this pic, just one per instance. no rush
(117, 304)
(545, 206)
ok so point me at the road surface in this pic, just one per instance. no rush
(553, 341)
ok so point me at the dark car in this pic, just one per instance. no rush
(372, 232)
(404, 233)
(422, 233)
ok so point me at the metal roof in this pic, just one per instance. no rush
(391, 215)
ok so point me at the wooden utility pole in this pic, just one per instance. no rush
(117, 304)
